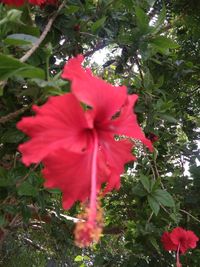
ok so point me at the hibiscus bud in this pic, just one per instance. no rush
(153, 137)
(77, 27)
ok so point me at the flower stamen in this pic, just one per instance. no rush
(178, 264)
(89, 229)
(93, 194)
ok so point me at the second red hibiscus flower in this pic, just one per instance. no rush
(179, 240)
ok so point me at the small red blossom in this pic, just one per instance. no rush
(16, 3)
(43, 2)
(77, 27)
(179, 240)
(153, 137)
(77, 146)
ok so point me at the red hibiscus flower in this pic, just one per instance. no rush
(13, 2)
(85, 145)
(43, 2)
(33, 2)
(179, 240)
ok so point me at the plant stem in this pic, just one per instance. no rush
(43, 35)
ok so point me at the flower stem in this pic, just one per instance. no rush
(42, 36)
(178, 264)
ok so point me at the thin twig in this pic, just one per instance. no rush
(164, 209)
(26, 176)
(36, 246)
(194, 91)
(150, 217)
(190, 215)
(5, 232)
(13, 115)
(139, 69)
(15, 219)
(99, 46)
(43, 35)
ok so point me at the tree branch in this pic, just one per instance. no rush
(139, 69)
(43, 35)
(98, 47)
(190, 215)
(34, 245)
(13, 115)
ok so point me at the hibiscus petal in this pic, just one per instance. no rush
(13, 2)
(104, 98)
(126, 124)
(58, 123)
(43, 2)
(71, 173)
(115, 154)
(179, 237)
(192, 239)
(167, 242)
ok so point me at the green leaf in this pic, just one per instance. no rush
(20, 39)
(145, 182)
(5, 182)
(164, 198)
(142, 19)
(153, 203)
(163, 44)
(54, 191)
(26, 189)
(2, 221)
(160, 20)
(1, 89)
(12, 15)
(10, 66)
(85, 257)
(148, 81)
(4, 179)
(159, 82)
(151, 2)
(50, 84)
(3, 172)
(78, 258)
(12, 136)
(138, 190)
(154, 244)
(168, 118)
(98, 24)
(30, 30)
(175, 217)
(71, 9)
